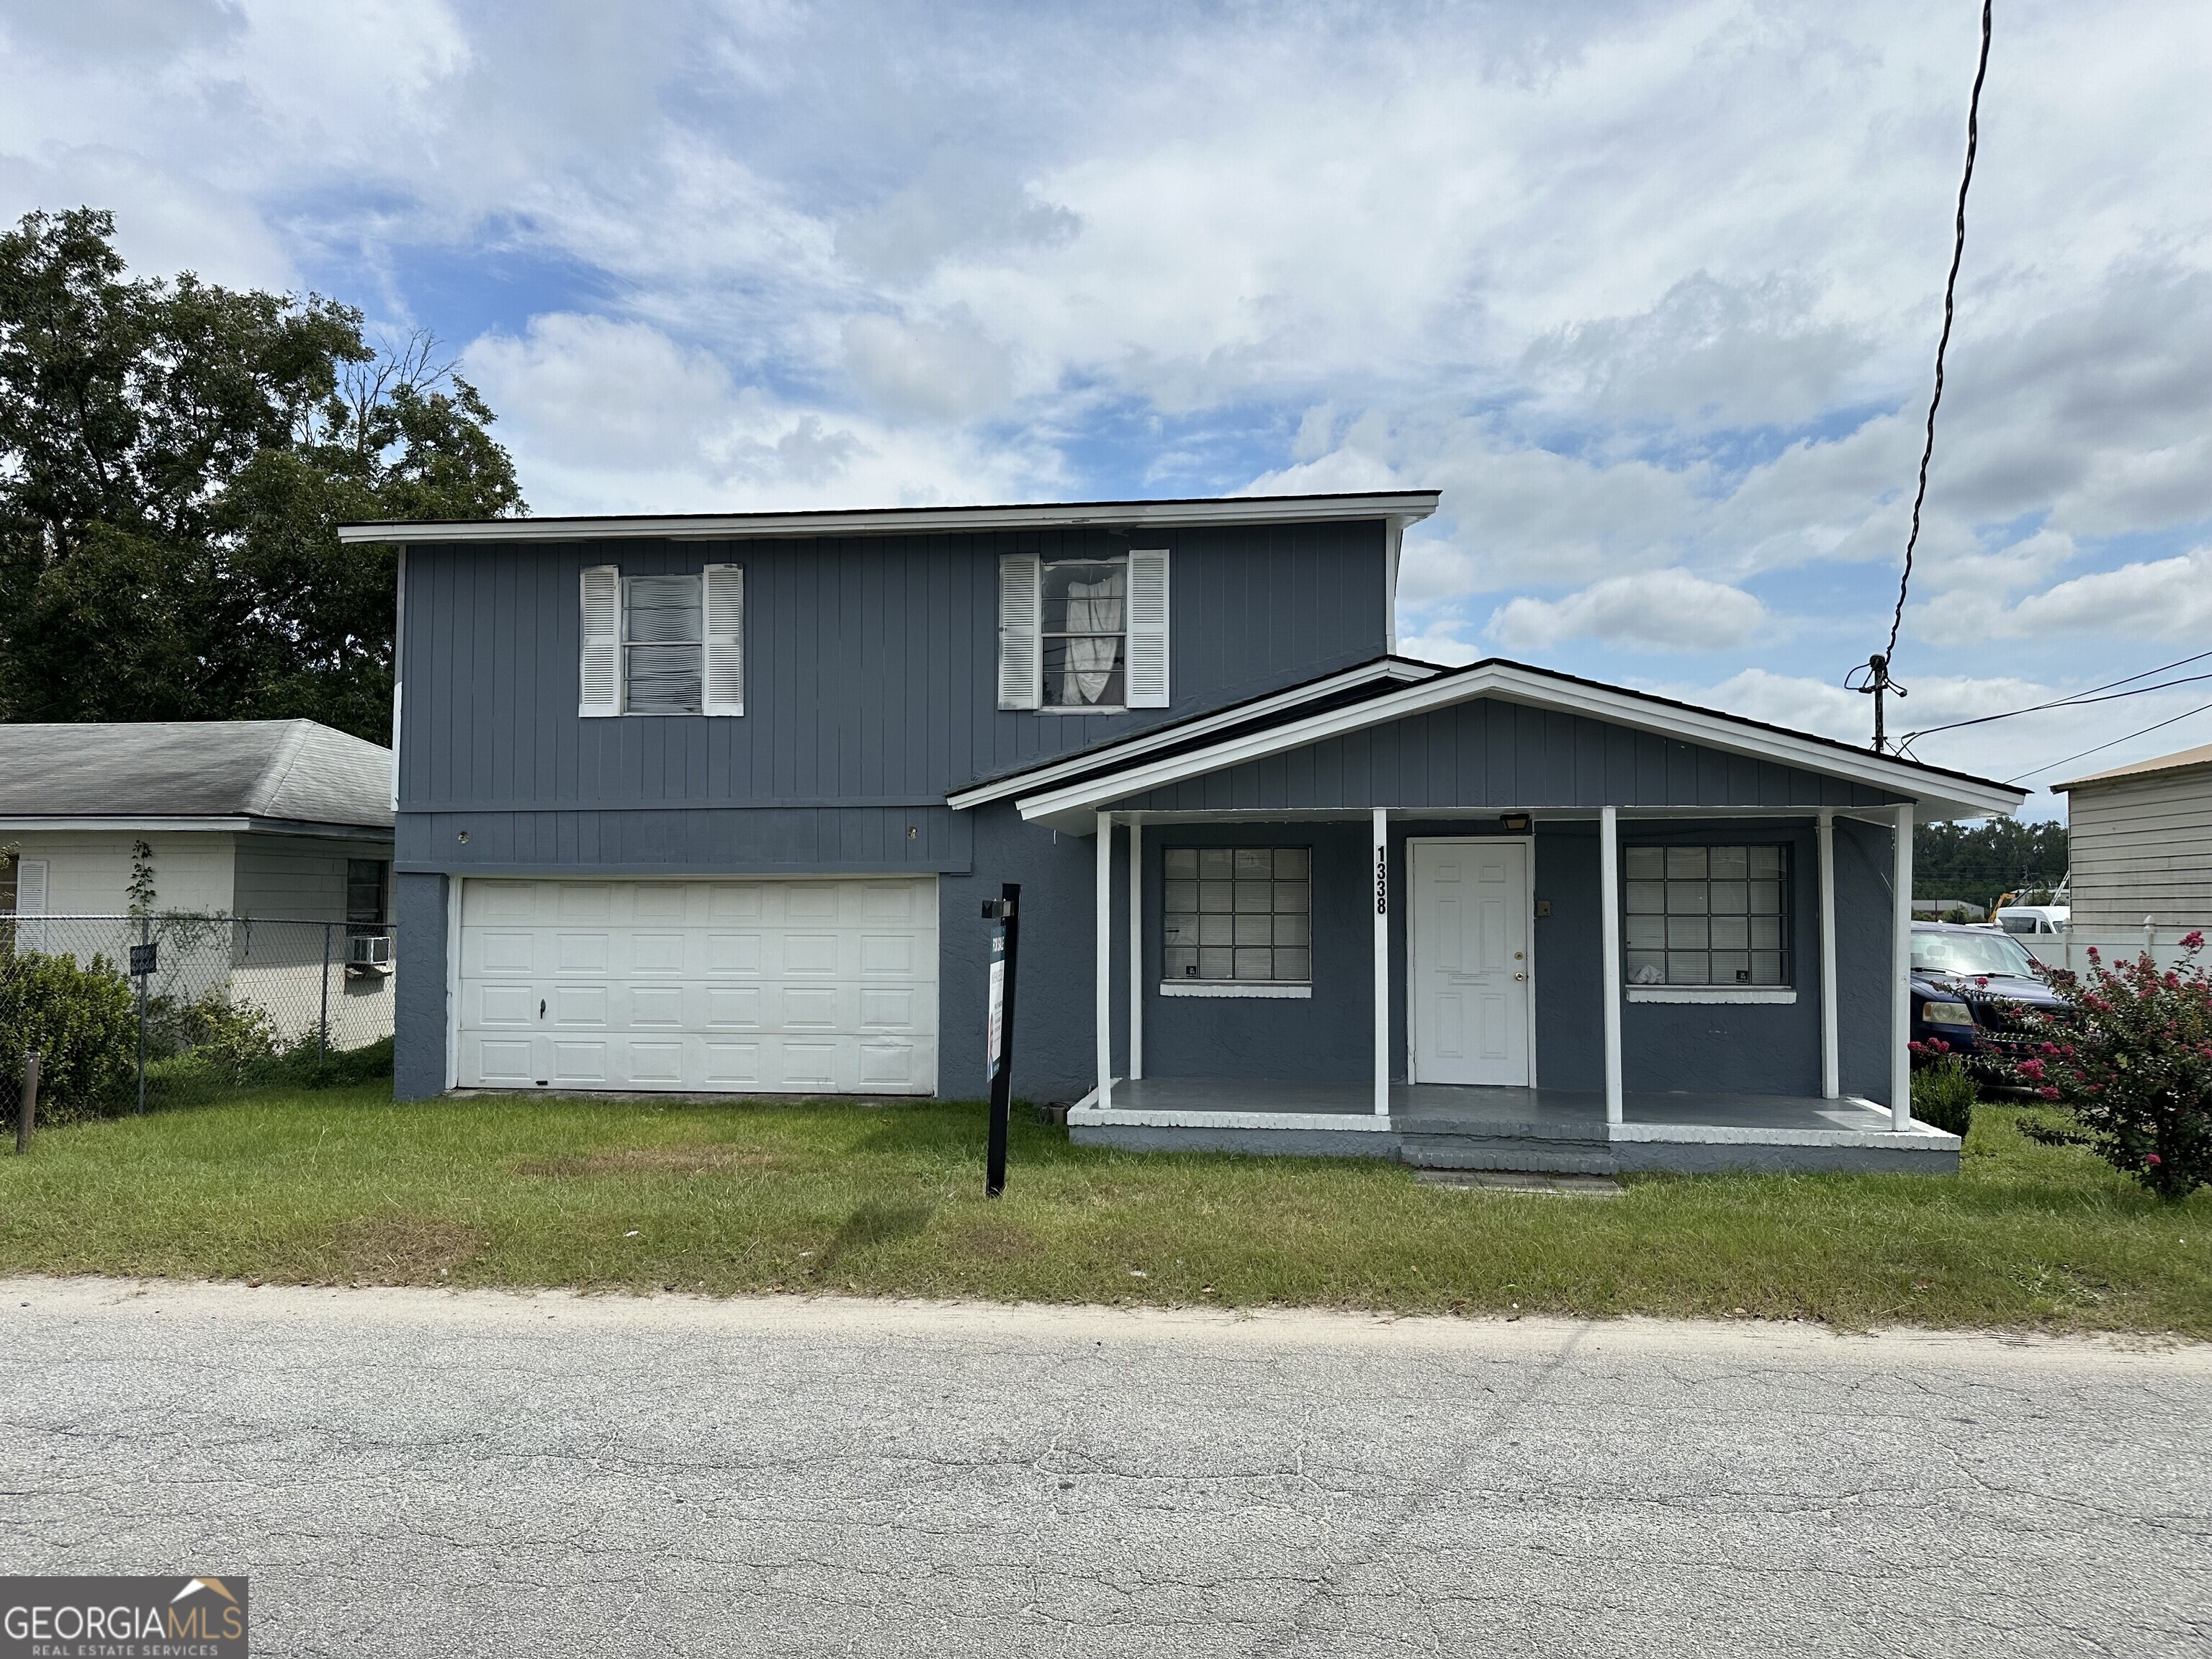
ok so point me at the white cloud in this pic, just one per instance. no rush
(618, 416)
(1660, 611)
(2159, 599)
(1650, 291)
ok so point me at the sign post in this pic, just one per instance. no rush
(142, 956)
(998, 1029)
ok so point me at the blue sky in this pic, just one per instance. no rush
(1650, 291)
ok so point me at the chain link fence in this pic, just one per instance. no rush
(214, 1003)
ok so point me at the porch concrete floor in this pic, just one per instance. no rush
(1442, 1109)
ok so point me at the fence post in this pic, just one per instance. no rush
(26, 1108)
(323, 1030)
(145, 937)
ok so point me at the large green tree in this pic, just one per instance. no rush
(1977, 861)
(174, 459)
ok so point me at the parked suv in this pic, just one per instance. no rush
(1969, 986)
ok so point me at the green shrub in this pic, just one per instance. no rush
(2132, 1061)
(81, 1022)
(1943, 1096)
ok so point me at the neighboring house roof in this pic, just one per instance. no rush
(1064, 790)
(2200, 755)
(1402, 506)
(192, 775)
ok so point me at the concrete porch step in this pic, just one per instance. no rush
(1547, 1154)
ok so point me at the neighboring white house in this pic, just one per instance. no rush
(2139, 842)
(263, 824)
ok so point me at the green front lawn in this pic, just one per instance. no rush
(343, 1185)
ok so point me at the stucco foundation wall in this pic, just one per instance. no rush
(418, 987)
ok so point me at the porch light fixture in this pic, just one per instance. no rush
(1514, 823)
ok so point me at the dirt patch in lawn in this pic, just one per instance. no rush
(655, 1160)
(395, 1248)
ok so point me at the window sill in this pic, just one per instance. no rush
(1081, 709)
(1219, 988)
(1771, 994)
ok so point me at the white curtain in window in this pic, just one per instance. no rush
(1093, 609)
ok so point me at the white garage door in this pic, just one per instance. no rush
(780, 987)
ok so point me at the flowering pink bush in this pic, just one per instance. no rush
(2132, 1060)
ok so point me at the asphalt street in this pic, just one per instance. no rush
(404, 1472)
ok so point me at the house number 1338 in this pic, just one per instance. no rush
(1382, 881)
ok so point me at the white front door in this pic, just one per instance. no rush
(1471, 970)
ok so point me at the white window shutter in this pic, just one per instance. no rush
(598, 676)
(1021, 592)
(724, 608)
(31, 887)
(1146, 674)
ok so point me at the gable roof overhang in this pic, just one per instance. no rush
(1367, 679)
(1399, 506)
(1936, 791)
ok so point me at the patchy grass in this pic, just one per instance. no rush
(341, 1186)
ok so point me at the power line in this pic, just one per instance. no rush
(1943, 344)
(2079, 700)
(2146, 731)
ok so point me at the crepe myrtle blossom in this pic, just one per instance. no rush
(2130, 1056)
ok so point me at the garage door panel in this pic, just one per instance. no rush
(578, 1004)
(885, 1009)
(500, 950)
(658, 952)
(735, 1006)
(733, 1064)
(771, 986)
(582, 953)
(506, 1004)
(657, 1007)
(736, 953)
(504, 1060)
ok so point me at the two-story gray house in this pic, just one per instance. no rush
(710, 803)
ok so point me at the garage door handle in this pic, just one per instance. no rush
(541, 1007)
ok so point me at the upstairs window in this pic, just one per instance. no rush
(1086, 632)
(662, 644)
(1706, 915)
(1079, 635)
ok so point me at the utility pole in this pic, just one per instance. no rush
(1874, 680)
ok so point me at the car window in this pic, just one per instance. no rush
(2017, 924)
(1971, 953)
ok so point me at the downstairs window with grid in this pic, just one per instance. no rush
(1706, 915)
(1237, 916)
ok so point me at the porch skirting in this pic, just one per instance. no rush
(1532, 1130)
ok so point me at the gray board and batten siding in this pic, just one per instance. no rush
(1490, 753)
(871, 670)
(871, 691)
(1750, 1048)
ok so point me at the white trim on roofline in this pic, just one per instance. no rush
(1399, 506)
(1388, 668)
(1070, 807)
(258, 826)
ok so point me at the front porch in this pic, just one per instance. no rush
(1434, 1126)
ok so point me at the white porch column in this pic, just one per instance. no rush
(1105, 976)
(1900, 979)
(1136, 950)
(1608, 909)
(1830, 1067)
(1381, 906)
